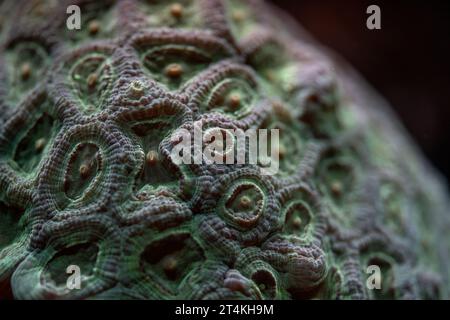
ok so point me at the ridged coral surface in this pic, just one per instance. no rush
(88, 120)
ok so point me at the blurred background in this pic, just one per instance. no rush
(407, 61)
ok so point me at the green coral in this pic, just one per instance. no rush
(88, 121)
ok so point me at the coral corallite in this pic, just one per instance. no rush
(88, 119)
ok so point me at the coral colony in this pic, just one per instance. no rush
(89, 183)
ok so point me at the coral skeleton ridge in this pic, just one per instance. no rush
(88, 119)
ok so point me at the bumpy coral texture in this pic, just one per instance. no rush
(88, 119)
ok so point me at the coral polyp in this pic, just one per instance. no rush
(88, 122)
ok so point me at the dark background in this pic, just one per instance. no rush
(407, 61)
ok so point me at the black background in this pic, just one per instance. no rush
(407, 61)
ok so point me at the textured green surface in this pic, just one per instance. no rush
(88, 120)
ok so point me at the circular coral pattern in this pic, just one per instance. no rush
(244, 205)
(88, 122)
